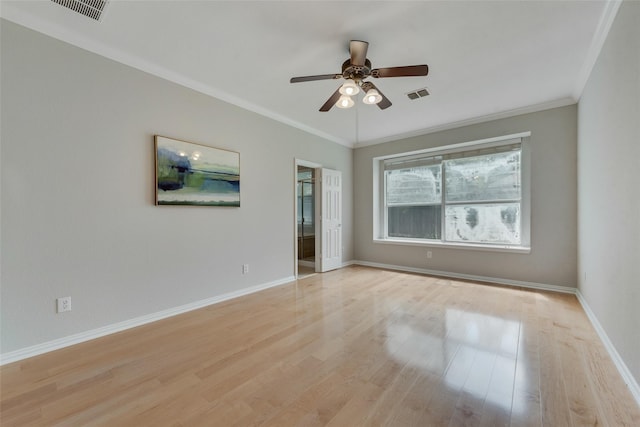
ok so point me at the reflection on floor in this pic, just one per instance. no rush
(487, 344)
(304, 271)
(356, 346)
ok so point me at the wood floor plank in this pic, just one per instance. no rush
(357, 409)
(555, 406)
(618, 407)
(525, 408)
(468, 408)
(584, 409)
(353, 347)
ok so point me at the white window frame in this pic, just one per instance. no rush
(380, 231)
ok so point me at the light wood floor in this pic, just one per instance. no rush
(353, 347)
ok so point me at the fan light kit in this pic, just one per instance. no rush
(349, 88)
(355, 70)
(345, 101)
(372, 97)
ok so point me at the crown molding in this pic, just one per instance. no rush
(602, 31)
(562, 102)
(67, 35)
(21, 17)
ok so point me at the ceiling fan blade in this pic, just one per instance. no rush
(358, 50)
(313, 78)
(408, 71)
(331, 101)
(384, 103)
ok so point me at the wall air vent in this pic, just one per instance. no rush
(91, 8)
(418, 93)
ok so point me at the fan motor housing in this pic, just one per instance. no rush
(356, 72)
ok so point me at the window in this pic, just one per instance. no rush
(470, 194)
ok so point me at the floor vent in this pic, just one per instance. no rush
(91, 8)
(419, 93)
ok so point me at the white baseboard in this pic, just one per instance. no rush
(14, 356)
(59, 343)
(508, 282)
(622, 367)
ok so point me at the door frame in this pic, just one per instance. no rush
(300, 162)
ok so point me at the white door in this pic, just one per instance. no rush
(330, 182)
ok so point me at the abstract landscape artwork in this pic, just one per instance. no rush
(194, 174)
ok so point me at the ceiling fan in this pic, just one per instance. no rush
(355, 70)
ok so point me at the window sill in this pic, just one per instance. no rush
(467, 246)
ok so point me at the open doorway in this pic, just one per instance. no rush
(306, 218)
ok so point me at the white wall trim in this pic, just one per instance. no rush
(7, 11)
(563, 102)
(606, 21)
(75, 38)
(622, 367)
(441, 245)
(14, 356)
(508, 282)
(59, 343)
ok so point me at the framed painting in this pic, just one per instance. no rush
(196, 175)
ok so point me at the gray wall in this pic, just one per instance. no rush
(609, 187)
(552, 260)
(78, 215)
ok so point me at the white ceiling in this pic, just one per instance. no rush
(487, 59)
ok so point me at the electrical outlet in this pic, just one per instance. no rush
(245, 268)
(429, 254)
(64, 304)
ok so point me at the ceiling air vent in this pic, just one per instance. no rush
(419, 93)
(91, 8)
